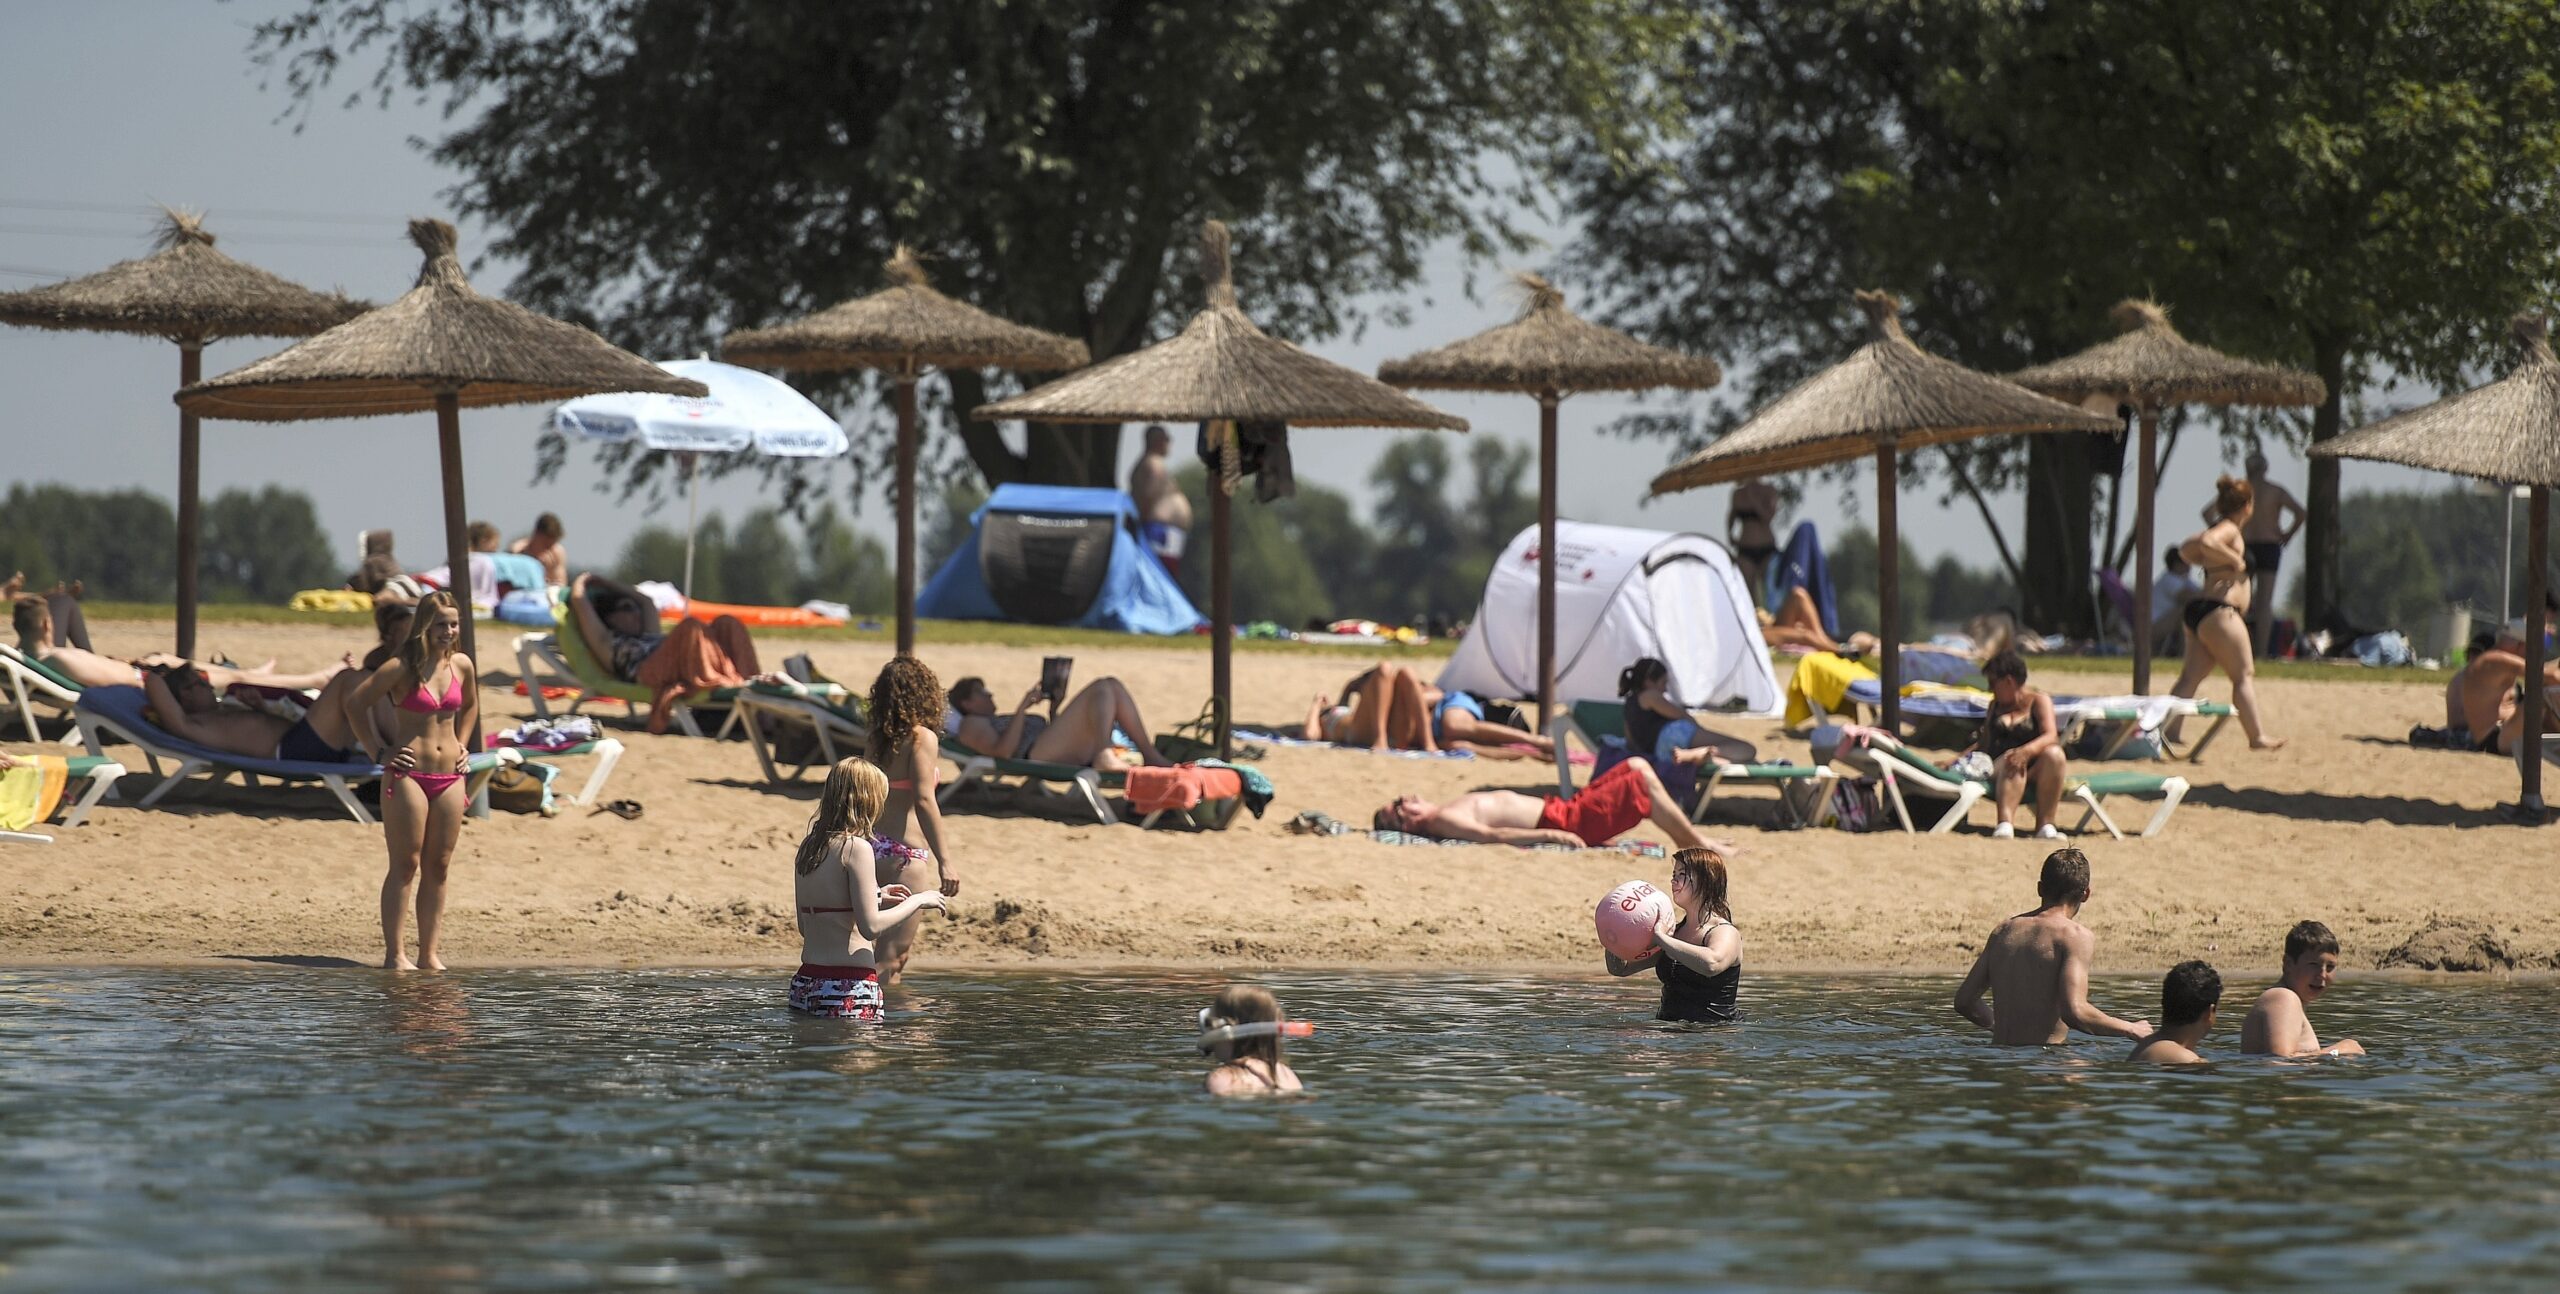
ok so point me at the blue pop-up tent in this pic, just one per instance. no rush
(1058, 555)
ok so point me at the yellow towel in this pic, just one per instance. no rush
(29, 791)
(331, 600)
(1822, 678)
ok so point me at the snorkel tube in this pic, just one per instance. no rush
(1215, 1029)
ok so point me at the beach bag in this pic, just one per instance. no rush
(1857, 806)
(523, 788)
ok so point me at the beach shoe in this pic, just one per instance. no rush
(627, 810)
(2005, 831)
(2048, 832)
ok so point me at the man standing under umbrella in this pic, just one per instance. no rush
(1164, 511)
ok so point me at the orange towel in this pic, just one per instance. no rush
(1182, 786)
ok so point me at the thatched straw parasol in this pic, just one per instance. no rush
(2151, 367)
(1889, 396)
(190, 294)
(901, 330)
(1222, 370)
(1549, 352)
(2507, 431)
(441, 346)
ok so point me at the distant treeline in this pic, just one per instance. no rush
(2404, 556)
(769, 560)
(258, 546)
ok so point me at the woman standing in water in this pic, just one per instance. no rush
(836, 879)
(906, 743)
(2217, 616)
(435, 704)
(1698, 956)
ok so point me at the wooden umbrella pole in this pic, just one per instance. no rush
(2147, 480)
(1546, 558)
(190, 496)
(906, 486)
(1889, 585)
(1222, 611)
(2537, 541)
(457, 553)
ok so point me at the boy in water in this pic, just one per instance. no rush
(2280, 1024)
(2035, 966)
(2188, 1001)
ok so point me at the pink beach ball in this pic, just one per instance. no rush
(1627, 918)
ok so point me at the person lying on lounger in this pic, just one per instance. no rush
(32, 617)
(1613, 804)
(184, 705)
(1661, 729)
(622, 629)
(1389, 707)
(1079, 732)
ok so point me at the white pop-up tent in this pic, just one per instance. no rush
(1621, 595)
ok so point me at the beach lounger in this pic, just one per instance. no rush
(977, 769)
(1905, 773)
(1964, 705)
(1593, 720)
(563, 653)
(32, 681)
(608, 752)
(765, 708)
(99, 773)
(121, 713)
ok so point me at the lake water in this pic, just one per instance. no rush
(287, 1128)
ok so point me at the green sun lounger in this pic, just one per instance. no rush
(32, 681)
(564, 654)
(99, 773)
(835, 716)
(1593, 720)
(1905, 773)
(985, 770)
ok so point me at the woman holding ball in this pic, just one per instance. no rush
(1697, 954)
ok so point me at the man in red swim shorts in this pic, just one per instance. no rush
(1614, 803)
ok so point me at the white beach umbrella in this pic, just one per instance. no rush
(747, 411)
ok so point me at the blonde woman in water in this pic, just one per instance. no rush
(844, 909)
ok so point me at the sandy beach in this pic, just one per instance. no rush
(2348, 824)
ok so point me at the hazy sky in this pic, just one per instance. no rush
(117, 106)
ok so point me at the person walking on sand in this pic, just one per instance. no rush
(435, 696)
(2189, 999)
(1697, 953)
(2216, 617)
(906, 743)
(2277, 518)
(1164, 511)
(845, 910)
(2280, 1023)
(1241, 1030)
(2035, 967)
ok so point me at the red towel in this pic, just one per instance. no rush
(1182, 786)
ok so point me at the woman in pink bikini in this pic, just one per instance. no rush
(906, 744)
(846, 912)
(435, 702)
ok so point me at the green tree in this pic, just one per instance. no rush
(121, 544)
(847, 566)
(657, 553)
(668, 170)
(945, 524)
(2012, 169)
(265, 547)
(760, 565)
(1297, 559)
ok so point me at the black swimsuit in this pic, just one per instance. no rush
(1998, 736)
(1688, 995)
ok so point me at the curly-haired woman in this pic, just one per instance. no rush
(906, 742)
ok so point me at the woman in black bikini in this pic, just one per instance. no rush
(2021, 737)
(1698, 955)
(2214, 638)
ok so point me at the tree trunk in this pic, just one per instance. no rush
(1054, 454)
(2320, 498)
(2061, 507)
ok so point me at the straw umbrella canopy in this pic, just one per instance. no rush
(2151, 367)
(1888, 396)
(2507, 431)
(1222, 370)
(1549, 352)
(189, 293)
(443, 347)
(901, 330)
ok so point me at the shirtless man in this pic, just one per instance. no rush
(2268, 530)
(2280, 1025)
(2189, 999)
(2489, 710)
(1164, 512)
(1614, 803)
(183, 704)
(543, 545)
(2036, 968)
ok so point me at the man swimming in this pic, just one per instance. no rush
(2189, 998)
(2280, 1024)
(2035, 966)
(1612, 804)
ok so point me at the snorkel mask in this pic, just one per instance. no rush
(1215, 1029)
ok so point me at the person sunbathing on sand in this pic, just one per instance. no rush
(2188, 1001)
(1389, 707)
(2035, 966)
(2280, 1023)
(2492, 684)
(1079, 732)
(33, 620)
(1613, 804)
